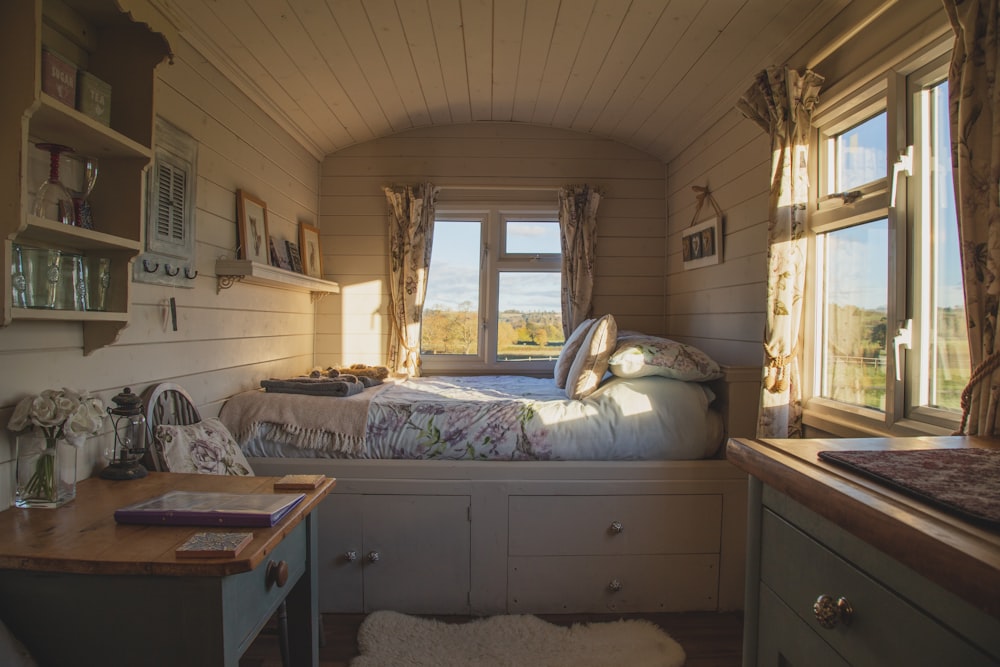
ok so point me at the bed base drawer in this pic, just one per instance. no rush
(596, 584)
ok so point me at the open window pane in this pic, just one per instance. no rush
(860, 154)
(854, 302)
(530, 321)
(527, 237)
(450, 321)
(948, 358)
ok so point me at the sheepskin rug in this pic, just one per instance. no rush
(391, 639)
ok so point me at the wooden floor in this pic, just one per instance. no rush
(709, 639)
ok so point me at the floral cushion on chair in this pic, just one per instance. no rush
(206, 447)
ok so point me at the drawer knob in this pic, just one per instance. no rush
(351, 556)
(829, 612)
(373, 556)
(615, 586)
(616, 527)
(277, 573)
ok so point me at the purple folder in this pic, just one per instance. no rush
(187, 508)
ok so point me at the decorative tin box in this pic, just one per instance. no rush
(93, 97)
(58, 77)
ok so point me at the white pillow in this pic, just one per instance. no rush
(569, 351)
(206, 447)
(591, 361)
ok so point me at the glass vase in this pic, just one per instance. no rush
(45, 471)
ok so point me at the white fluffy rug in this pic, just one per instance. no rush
(391, 639)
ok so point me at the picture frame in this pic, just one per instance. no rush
(251, 225)
(310, 250)
(701, 243)
(279, 254)
(293, 256)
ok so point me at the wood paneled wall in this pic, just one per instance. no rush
(352, 326)
(225, 342)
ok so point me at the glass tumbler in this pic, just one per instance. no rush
(97, 279)
(40, 276)
(71, 288)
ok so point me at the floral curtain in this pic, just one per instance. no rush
(781, 101)
(974, 96)
(578, 224)
(411, 231)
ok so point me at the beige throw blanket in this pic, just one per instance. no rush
(332, 424)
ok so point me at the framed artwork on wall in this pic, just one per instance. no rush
(251, 223)
(293, 256)
(279, 254)
(309, 248)
(701, 243)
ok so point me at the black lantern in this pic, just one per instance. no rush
(130, 437)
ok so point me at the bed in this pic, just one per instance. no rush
(481, 495)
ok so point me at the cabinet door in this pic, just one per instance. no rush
(423, 546)
(340, 547)
(786, 641)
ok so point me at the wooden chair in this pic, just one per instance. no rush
(169, 403)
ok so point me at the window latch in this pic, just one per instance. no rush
(903, 338)
(904, 167)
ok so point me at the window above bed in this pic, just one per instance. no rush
(493, 290)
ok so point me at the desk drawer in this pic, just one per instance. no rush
(251, 600)
(595, 584)
(595, 525)
(885, 629)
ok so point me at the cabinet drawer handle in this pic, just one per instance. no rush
(830, 612)
(615, 586)
(616, 527)
(351, 556)
(276, 573)
(373, 556)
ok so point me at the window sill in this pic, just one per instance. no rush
(846, 424)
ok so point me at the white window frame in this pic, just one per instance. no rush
(494, 260)
(891, 91)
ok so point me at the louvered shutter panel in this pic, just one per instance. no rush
(170, 205)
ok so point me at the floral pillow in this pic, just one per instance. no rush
(569, 351)
(639, 355)
(206, 447)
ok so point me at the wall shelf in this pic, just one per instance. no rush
(231, 271)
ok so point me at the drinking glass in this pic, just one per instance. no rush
(97, 278)
(40, 271)
(52, 200)
(81, 207)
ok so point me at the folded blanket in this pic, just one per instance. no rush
(313, 386)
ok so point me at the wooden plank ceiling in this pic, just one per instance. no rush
(652, 74)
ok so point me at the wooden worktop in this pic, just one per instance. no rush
(961, 557)
(83, 537)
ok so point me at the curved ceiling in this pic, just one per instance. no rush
(653, 74)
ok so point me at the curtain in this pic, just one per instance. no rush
(974, 98)
(411, 231)
(781, 101)
(578, 225)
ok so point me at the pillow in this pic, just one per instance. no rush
(569, 350)
(641, 355)
(591, 362)
(206, 447)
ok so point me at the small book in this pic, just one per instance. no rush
(187, 508)
(299, 482)
(214, 545)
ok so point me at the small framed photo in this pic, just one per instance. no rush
(309, 248)
(251, 223)
(279, 254)
(701, 243)
(294, 258)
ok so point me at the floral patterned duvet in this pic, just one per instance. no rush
(522, 418)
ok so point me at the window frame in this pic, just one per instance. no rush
(494, 260)
(892, 92)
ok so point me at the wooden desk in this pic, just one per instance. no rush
(924, 585)
(79, 589)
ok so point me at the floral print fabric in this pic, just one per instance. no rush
(639, 356)
(206, 448)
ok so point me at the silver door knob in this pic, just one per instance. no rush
(615, 586)
(616, 527)
(373, 556)
(351, 556)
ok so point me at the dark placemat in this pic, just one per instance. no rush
(963, 481)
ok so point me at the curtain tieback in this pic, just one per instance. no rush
(776, 379)
(983, 370)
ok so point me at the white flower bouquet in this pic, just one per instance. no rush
(57, 415)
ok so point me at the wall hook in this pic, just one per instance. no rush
(189, 275)
(167, 267)
(145, 266)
